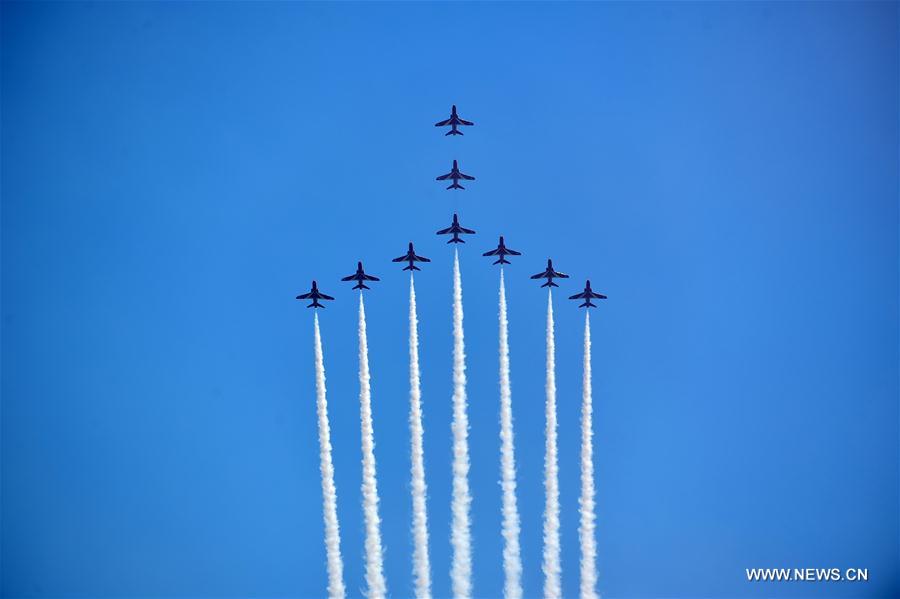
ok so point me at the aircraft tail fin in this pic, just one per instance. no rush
(550, 283)
(501, 260)
(361, 285)
(455, 185)
(412, 267)
(588, 304)
(453, 131)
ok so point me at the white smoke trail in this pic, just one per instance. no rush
(551, 566)
(329, 494)
(374, 566)
(461, 569)
(421, 567)
(586, 503)
(512, 560)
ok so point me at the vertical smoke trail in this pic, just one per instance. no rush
(586, 503)
(329, 494)
(374, 566)
(461, 570)
(421, 567)
(512, 561)
(551, 566)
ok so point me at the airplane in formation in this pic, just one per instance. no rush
(456, 229)
(315, 295)
(550, 274)
(411, 257)
(454, 121)
(587, 295)
(455, 175)
(360, 277)
(503, 252)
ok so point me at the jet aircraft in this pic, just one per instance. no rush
(455, 175)
(412, 258)
(315, 295)
(550, 274)
(359, 276)
(454, 121)
(503, 252)
(456, 229)
(587, 295)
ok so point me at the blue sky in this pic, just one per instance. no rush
(175, 173)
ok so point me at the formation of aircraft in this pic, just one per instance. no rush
(315, 295)
(360, 277)
(456, 229)
(454, 121)
(411, 257)
(455, 175)
(587, 295)
(503, 252)
(550, 274)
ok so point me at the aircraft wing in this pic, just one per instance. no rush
(349, 277)
(513, 252)
(491, 253)
(400, 259)
(540, 275)
(462, 122)
(444, 231)
(304, 295)
(466, 231)
(579, 296)
(443, 177)
(466, 177)
(597, 295)
(421, 258)
(561, 275)
(443, 123)
(323, 296)
(371, 278)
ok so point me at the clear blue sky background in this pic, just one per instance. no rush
(174, 174)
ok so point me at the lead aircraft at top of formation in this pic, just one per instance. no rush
(454, 121)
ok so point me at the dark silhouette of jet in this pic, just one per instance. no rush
(456, 229)
(411, 257)
(455, 175)
(315, 295)
(503, 252)
(587, 295)
(454, 121)
(550, 274)
(359, 276)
